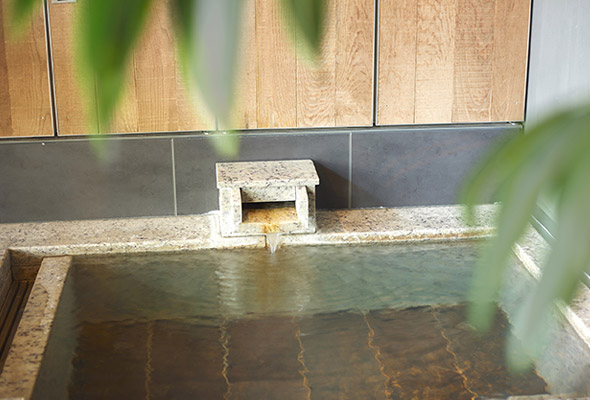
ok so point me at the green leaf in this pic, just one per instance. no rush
(307, 18)
(225, 144)
(569, 258)
(543, 159)
(107, 31)
(21, 11)
(208, 38)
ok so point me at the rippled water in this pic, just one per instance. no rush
(366, 322)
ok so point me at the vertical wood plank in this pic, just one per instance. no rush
(155, 73)
(397, 61)
(354, 62)
(5, 114)
(435, 61)
(473, 61)
(159, 87)
(245, 104)
(193, 114)
(277, 69)
(126, 117)
(76, 112)
(28, 82)
(511, 32)
(316, 81)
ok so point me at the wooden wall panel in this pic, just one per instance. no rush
(510, 62)
(155, 74)
(435, 61)
(316, 80)
(291, 91)
(245, 109)
(277, 87)
(277, 68)
(25, 108)
(470, 61)
(5, 114)
(354, 62)
(397, 61)
(473, 60)
(76, 113)
(155, 95)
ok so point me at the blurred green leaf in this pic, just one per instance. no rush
(307, 18)
(107, 32)
(569, 258)
(208, 38)
(226, 144)
(21, 11)
(552, 157)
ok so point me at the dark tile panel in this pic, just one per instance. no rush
(64, 180)
(195, 166)
(417, 167)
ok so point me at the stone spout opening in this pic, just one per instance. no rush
(257, 198)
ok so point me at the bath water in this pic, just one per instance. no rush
(329, 322)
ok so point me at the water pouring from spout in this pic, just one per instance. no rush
(273, 241)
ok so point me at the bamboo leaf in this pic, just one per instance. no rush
(208, 38)
(307, 18)
(569, 258)
(21, 11)
(542, 159)
(107, 32)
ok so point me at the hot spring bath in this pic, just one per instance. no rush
(367, 320)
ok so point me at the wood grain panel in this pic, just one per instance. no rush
(435, 60)
(5, 114)
(244, 112)
(26, 78)
(470, 61)
(397, 61)
(76, 110)
(316, 79)
(354, 62)
(126, 116)
(155, 98)
(277, 68)
(155, 73)
(511, 31)
(473, 61)
(193, 114)
(161, 94)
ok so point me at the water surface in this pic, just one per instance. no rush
(333, 322)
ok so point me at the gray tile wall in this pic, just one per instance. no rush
(153, 176)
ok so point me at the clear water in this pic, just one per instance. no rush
(331, 322)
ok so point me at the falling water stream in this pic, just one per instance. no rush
(273, 241)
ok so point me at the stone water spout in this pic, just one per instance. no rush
(267, 197)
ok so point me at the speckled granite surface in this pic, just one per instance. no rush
(266, 173)
(267, 182)
(28, 346)
(29, 243)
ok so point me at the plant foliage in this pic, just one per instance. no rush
(552, 157)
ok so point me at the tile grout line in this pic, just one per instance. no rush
(50, 70)
(174, 178)
(350, 170)
(376, 25)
